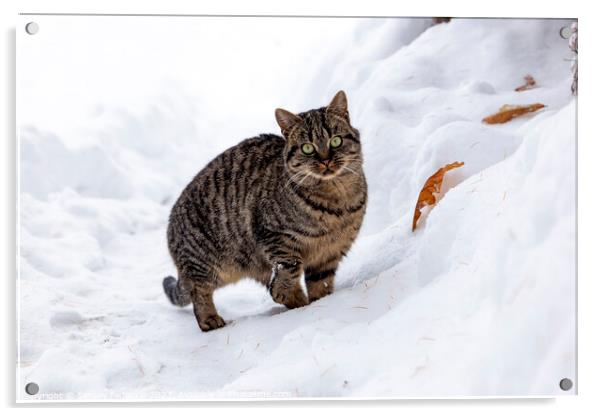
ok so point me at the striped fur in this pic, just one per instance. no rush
(264, 209)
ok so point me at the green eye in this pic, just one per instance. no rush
(335, 142)
(308, 148)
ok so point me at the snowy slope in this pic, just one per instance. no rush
(479, 300)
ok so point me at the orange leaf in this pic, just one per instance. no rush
(508, 112)
(430, 188)
(529, 84)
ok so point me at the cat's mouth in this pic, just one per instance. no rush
(327, 169)
(326, 173)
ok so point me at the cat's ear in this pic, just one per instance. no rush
(338, 105)
(286, 120)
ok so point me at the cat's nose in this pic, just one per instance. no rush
(326, 162)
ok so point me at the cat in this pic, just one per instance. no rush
(272, 208)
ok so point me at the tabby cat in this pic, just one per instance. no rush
(271, 208)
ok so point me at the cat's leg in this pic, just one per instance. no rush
(319, 282)
(287, 267)
(203, 283)
(204, 308)
(285, 285)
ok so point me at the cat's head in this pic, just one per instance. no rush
(321, 144)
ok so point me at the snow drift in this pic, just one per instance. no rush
(480, 300)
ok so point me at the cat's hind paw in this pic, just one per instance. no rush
(211, 322)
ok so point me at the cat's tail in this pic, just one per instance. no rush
(176, 292)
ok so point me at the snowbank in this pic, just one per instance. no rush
(480, 300)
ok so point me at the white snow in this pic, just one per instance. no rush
(117, 114)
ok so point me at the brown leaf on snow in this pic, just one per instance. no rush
(430, 188)
(529, 84)
(508, 112)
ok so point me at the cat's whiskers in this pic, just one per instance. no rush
(301, 181)
(350, 170)
(293, 177)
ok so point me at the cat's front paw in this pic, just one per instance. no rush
(291, 298)
(317, 290)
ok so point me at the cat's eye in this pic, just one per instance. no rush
(308, 148)
(335, 142)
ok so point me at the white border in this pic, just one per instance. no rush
(589, 210)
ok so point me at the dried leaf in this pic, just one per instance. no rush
(430, 188)
(529, 84)
(508, 112)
